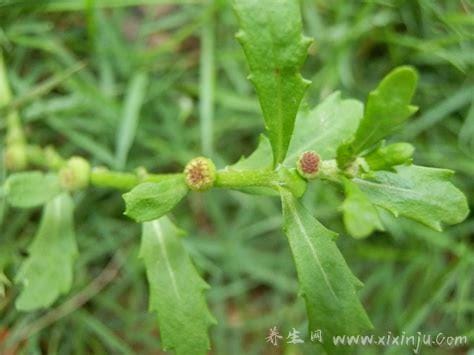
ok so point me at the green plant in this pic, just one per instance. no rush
(347, 137)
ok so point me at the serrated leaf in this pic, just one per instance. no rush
(176, 289)
(324, 128)
(31, 189)
(387, 107)
(423, 194)
(387, 156)
(326, 282)
(273, 42)
(151, 200)
(360, 215)
(47, 273)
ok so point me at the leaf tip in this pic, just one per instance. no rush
(240, 35)
(306, 41)
(412, 109)
(408, 71)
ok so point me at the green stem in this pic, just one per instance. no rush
(234, 179)
(49, 159)
(15, 133)
(15, 142)
(103, 177)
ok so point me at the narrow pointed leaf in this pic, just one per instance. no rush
(423, 194)
(386, 109)
(31, 189)
(360, 215)
(272, 38)
(324, 128)
(130, 116)
(327, 284)
(151, 200)
(387, 156)
(176, 290)
(47, 273)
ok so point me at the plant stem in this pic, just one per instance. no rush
(49, 159)
(234, 179)
(15, 135)
(103, 177)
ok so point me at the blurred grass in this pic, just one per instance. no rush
(163, 83)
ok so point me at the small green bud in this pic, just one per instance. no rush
(390, 155)
(141, 173)
(75, 174)
(53, 158)
(15, 157)
(352, 169)
(329, 170)
(308, 164)
(200, 174)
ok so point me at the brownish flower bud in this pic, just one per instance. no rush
(308, 164)
(200, 174)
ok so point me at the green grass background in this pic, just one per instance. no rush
(164, 82)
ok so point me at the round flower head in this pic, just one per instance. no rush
(308, 164)
(75, 174)
(15, 157)
(200, 174)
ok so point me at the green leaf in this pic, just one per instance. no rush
(360, 215)
(385, 157)
(326, 282)
(325, 128)
(423, 194)
(273, 42)
(130, 116)
(261, 158)
(151, 200)
(31, 189)
(176, 289)
(48, 271)
(387, 108)
(292, 181)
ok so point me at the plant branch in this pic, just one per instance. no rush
(236, 179)
(15, 134)
(103, 177)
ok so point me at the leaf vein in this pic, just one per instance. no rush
(313, 250)
(159, 235)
